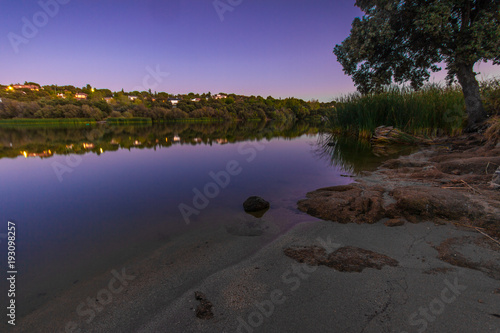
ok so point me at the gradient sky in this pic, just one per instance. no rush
(281, 48)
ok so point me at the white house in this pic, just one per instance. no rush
(174, 101)
(133, 98)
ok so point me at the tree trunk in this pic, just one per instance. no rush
(473, 104)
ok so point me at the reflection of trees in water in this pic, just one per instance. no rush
(95, 134)
(67, 140)
(353, 155)
(350, 154)
(38, 139)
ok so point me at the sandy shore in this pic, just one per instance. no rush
(430, 276)
(161, 298)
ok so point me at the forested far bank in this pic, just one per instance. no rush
(47, 102)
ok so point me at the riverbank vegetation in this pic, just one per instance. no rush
(405, 41)
(433, 110)
(32, 101)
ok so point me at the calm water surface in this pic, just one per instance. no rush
(86, 199)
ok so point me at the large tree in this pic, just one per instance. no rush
(405, 40)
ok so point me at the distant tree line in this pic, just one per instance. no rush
(60, 102)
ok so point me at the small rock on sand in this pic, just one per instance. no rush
(204, 309)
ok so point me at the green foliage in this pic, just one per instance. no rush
(490, 90)
(433, 110)
(404, 40)
(17, 105)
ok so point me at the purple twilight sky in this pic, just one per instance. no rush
(253, 47)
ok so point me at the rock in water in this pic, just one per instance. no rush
(345, 204)
(255, 204)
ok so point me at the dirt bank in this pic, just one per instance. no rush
(448, 181)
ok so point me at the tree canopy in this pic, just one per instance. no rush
(406, 40)
(48, 103)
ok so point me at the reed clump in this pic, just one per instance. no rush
(490, 93)
(431, 111)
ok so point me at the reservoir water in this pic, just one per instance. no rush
(86, 199)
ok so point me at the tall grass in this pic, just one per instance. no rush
(432, 110)
(490, 93)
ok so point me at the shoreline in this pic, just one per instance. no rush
(253, 285)
(447, 181)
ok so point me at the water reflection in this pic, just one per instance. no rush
(112, 208)
(45, 142)
(347, 153)
(355, 156)
(82, 215)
